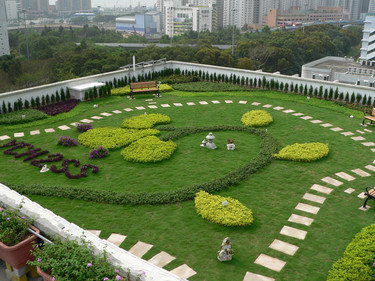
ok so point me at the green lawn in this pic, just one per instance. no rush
(271, 193)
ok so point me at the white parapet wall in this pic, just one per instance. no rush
(53, 225)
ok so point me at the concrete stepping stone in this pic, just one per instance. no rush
(215, 101)
(325, 125)
(161, 259)
(203, 102)
(95, 232)
(288, 111)
(49, 130)
(364, 209)
(86, 121)
(362, 195)
(249, 276)
(74, 124)
(359, 131)
(116, 239)
(242, 102)
(368, 143)
(140, 248)
(347, 134)
(293, 232)
(267, 105)
(349, 190)
(140, 107)
(154, 102)
(228, 101)
(358, 138)
(152, 106)
(35, 132)
(370, 167)
(63, 127)
(332, 181)
(336, 129)
(284, 247)
(306, 117)
(177, 104)
(190, 103)
(255, 103)
(321, 188)
(316, 121)
(19, 135)
(183, 271)
(298, 114)
(345, 176)
(128, 109)
(300, 219)
(367, 130)
(307, 208)
(165, 105)
(117, 111)
(96, 117)
(373, 149)
(105, 114)
(149, 100)
(4, 137)
(361, 173)
(314, 198)
(270, 262)
(278, 108)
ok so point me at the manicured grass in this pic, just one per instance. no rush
(271, 193)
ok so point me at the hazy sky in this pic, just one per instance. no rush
(121, 3)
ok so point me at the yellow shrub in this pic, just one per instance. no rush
(210, 207)
(126, 90)
(256, 118)
(303, 152)
(145, 121)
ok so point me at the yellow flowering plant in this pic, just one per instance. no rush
(145, 121)
(303, 152)
(256, 118)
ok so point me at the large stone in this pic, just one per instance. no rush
(370, 167)
(117, 111)
(325, 125)
(306, 117)
(106, 114)
(255, 103)
(293, 232)
(270, 262)
(228, 101)
(314, 198)
(347, 133)
(96, 117)
(177, 104)
(307, 208)
(203, 102)
(332, 181)
(183, 271)
(86, 121)
(337, 129)
(283, 247)
(35, 132)
(242, 102)
(140, 107)
(267, 105)
(4, 137)
(49, 130)
(278, 108)
(359, 131)
(361, 173)
(161, 259)
(298, 114)
(362, 195)
(19, 135)
(215, 101)
(190, 103)
(288, 111)
(345, 176)
(249, 276)
(349, 190)
(300, 219)
(152, 106)
(368, 143)
(359, 138)
(63, 127)
(316, 121)
(364, 209)
(116, 239)
(321, 188)
(128, 109)
(140, 248)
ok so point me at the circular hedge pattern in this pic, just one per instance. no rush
(256, 118)
(303, 152)
(145, 121)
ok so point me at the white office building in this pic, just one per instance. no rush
(4, 40)
(12, 8)
(368, 39)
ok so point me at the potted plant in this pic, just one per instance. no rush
(15, 239)
(69, 260)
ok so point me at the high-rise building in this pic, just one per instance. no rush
(368, 44)
(12, 9)
(73, 5)
(4, 40)
(35, 5)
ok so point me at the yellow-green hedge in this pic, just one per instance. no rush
(145, 121)
(210, 207)
(256, 118)
(149, 149)
(303, 152)
(112, 138)
(126, 90)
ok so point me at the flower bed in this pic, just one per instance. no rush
(13, 229)
(83, 127)
(98, 153)
(112, 138)
(66, 141)
(303, 152)
(22, 116)
(149, 149)
(126, 90)
(145, 121)
(60, 107)
(222, 210)
(256, 118)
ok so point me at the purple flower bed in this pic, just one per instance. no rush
(98, 153)
(67, 141)
(83, 127)
(60, 107)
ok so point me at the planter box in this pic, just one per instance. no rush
(17, 255)
(45, 276)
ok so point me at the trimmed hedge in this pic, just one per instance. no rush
(303, 152)
(357, 262)
(149, 149)
(17, 116)
(268, 147)
(209, 87)
(256, 118)
(145, 121)
(126, 90)
(112, 138)
(211, 208)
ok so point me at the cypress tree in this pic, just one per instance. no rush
(37, 101)
(32, 102)
(255, 82)
(53, 99)
(315, 92)
(62, 95)
(296, 88)
(259, 83)
(95, 91)
(341, 97)
(91, 94)
(57, 97)
(336, 95)
(281, 86)
(358, 98)
(325, 94)
(15, 106)
(67, 94)
(27, 104)
(86, 95)
(364, 101)
(20, 104)
(302, 89)
(286, 87)
(47, 99)
(352, 98)
(330, 93)
(264, 82)
(44, 101)
(251, 82)
(311, 91)
(9, 107)
(320, 91)
(4, 107)
(347, 97)
(369, 101)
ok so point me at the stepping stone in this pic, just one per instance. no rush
(337, 129)
(140, 248)
(255, 103)
(249, 276)
(306, 117)
(316, 121)
(307, 208)
(300, 219)
(284, 247)
(36, 132)
(325, 125)
(361, 173)
(373, 149)
(347, 134)
(128, 109)
(183, 271)
(177, 104)
(364, 209)
(74, 124)
(228, 101)
(105, 114)
(5, 137)
(314, 198)
(370, 167)
(321, 188)
(359, 131)
(140, 107)
(190, 103)
(203, 102)
(345, 176)
(267, 105)
(349, 190)
(116, 239)
(154, 102)
(367, 130)
(96, 117)
(215, 101)
(161, 259)
(270, 262)
(332, 181)
(149, 100)
(278, 108)
(368, 143)
(165, 105)
(358, 138)
(242, 102)
(95, 232)
(288, 111)
(63, 127)
(362, 195)
(86, 121)
(298, 114)
(117, 111)
(19, 135)
(152, 106)
(49, 130)
(293, 232)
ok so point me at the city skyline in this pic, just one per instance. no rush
(117, 3)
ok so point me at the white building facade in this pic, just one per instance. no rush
(12, 8)
(4, 40)
(368, 39)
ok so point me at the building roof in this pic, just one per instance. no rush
(340, 66)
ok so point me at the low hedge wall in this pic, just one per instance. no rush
(22, 116)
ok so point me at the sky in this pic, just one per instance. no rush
(118, 3)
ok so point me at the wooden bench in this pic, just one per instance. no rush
(367, 116)
(144, 87)
(370, 192)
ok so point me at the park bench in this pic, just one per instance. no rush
(370, 192)
(367, 116)
(143, 87)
